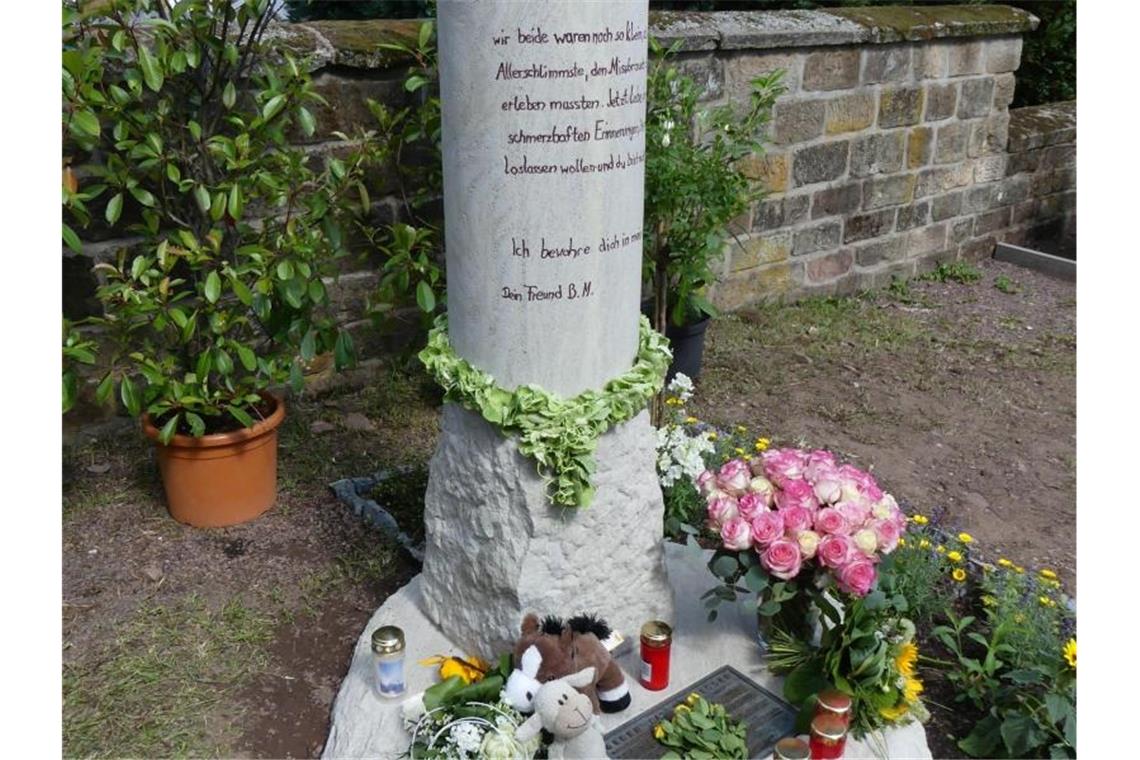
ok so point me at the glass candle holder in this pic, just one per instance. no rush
(834, 702)
(828, 737)
(388, 661)
(656, 648)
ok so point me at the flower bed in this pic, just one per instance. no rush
(896, 602)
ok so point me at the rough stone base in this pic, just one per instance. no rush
(365, 725)
(496, 548)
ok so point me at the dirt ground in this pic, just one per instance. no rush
(233, 642)
(961, 397)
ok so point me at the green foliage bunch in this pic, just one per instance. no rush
(178, 117)
(695, 183)
(702, 730)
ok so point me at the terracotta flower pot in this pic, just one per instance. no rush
(220, 479)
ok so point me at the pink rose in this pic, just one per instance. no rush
(866, 484)
(767, 527)
(866, 541)
(888, 533)
(819, 465)
(808, 541)
(734, 476)
(751, 505)
(796, 519)
(855, 512)
(857, 576)
(831, 520)
(834, 550)
(764, 488)
(736, 534)
(721, 510)
(782, 559)
(797, 493)
(706, 482)
(781, 466)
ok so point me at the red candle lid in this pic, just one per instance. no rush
(835, 700)
(829, 726)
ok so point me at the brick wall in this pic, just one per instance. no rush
(893, 149)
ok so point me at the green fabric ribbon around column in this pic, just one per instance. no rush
(559, 434)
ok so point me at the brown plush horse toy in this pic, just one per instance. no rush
(551, 648)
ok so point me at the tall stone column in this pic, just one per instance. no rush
(544, 149)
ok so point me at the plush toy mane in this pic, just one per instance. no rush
(552, 625)
(589, 623)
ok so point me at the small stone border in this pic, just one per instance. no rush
(353, 493)
(1045, 263)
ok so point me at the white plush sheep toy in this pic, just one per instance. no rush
(568, 714)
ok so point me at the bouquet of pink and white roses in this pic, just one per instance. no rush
(790, 514)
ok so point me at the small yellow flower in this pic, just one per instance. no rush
(725, 458)
(1070, 653)
(923, 543)
(1018, 569)
(741, 429)
(902, 541)
(1046, 601)
(762, 444)
(1055, 584)
(739, 452)
(712, 435)
(1019, 617)
(965, 538)
(659, 731)
(989, 601)
(920, 519)
(958, 574)
(691, 420)
(1047, 574)
(940, 549)
(692, 699)
(681, 708)
(954, 556)
(1005, 562)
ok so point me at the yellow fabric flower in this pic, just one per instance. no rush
(912, 689)
(1005, 562)
(954, 556)
(965, 538)
(906, 659)
(920, 519)
(958, 574)
(1070, 653)
(1047, 574)
(896, 712)
(659, 732)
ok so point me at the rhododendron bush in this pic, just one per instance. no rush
(791, 521)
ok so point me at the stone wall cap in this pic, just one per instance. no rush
(1047, 124)
(355, 44)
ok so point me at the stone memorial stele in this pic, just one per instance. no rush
(543, 163)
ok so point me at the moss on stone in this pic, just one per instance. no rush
(357, 43)
(895, 23)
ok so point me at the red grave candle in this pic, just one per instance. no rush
(828, 737)
(656, 646)
(835, 702)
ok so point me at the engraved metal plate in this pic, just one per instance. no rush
(767, 717)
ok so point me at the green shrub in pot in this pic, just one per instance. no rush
(177, 118)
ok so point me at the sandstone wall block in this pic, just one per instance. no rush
(877, 153)
(820, 163)
(831, 69)
(900, 106)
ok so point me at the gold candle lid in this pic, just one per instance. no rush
(387, 639)
(656, 633)
(791, 748)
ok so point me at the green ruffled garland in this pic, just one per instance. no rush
(560, 434)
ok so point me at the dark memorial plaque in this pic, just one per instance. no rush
(767, 717)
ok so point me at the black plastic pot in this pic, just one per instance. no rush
(688, 342)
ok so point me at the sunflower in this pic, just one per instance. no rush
(896, 712)
(912, 689)
(906, 658)
(1070, 653)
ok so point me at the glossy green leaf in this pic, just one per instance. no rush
(130, 397)
(152, 71)
(272, 107)
(309, 346)
(85, 123)
(307, 122)
(71, 239)
(114, 209)
(240, 415)
(247, 358)
(169, 429)
(425, 297)
(236, 204)
(229, 95)
(105, 388)
(213, 289)
(241, 291)
(197, 424)
(202, 198)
